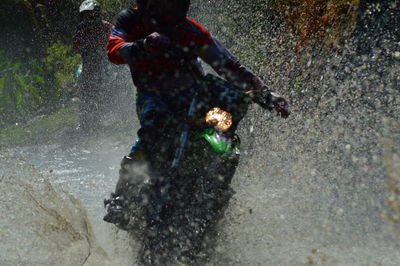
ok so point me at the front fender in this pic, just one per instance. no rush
(226, 147)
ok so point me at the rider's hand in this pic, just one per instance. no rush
(271, 100)
(157, 42)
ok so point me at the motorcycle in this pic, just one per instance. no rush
(173, 199)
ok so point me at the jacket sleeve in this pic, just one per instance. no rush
(125, 41)
(227, 66)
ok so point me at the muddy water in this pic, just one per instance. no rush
(310, 190)
(52, 206)
(319, 189)
(312, 205)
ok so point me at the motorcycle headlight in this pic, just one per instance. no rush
(221, 120)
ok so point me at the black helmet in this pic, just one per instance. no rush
(159, 8)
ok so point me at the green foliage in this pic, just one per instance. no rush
(18, 94)
(112, 8)
(298, 83)
(63, 62)
(30, 88)
(40, 129)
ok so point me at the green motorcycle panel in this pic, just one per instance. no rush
(225, 147)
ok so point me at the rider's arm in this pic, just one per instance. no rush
(125, 41)
(227, 66)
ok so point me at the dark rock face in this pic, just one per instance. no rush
(379, 23)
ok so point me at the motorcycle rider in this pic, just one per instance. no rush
(143, 38)
(90, 41)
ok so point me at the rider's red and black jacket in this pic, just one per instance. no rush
(90, 41)
(166, 73)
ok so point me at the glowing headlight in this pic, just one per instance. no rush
(219, 119)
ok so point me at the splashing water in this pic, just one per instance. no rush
(319, 188)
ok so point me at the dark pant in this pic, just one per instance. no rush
(91, 101)
(156, 112)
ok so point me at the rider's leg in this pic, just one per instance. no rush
(135, 162)
(134, 167)
(89, 105)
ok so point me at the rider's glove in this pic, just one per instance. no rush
(157, 42)
(271, 100)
